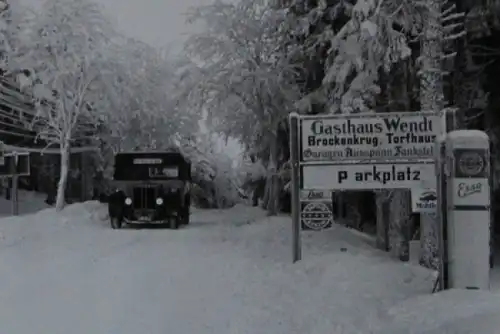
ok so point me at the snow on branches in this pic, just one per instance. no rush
(148, 109)
(249, 81)
(246, 70)
(370, 41)
(60, 58)
(13, 21)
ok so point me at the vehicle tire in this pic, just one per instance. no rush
(185, 216)
(186, 210)
(116, 223)
(174, 223)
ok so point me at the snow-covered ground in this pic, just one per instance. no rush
(230, 271)
(449, 312)
(29, 202)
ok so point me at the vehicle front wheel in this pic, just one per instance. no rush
(116, 223)
(173, 223)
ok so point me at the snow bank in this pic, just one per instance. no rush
(495, 276)
(29, 202)
(47, 221)
(79, 213)
(453, 311)
(239, 214)
(229, 271)
(342, 285)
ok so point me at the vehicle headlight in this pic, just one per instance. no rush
(159, 201)
(128, 201)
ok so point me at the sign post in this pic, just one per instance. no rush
(368, 151)
(468, 211)
(15, 165)
(2, 153)
(295, 189)
(15, 185)
(442, 173)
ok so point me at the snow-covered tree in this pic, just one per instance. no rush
(247, 75)
(61, 60)
(373, 40)
(153, 110)
(444, 25)
(144, 101)
(214, 177)
(6, 31)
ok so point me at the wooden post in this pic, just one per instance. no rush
(15, 184)
(84, 177)
(15, 195)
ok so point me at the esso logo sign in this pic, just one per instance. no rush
(471, 163)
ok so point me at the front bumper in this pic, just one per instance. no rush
(147, 215)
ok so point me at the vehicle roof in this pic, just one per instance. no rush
(166, 154)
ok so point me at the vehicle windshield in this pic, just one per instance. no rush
(150, 167)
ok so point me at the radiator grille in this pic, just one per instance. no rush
(144, 198)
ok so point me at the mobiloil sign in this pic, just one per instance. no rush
(424, 200)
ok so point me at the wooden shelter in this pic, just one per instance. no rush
(17, 113)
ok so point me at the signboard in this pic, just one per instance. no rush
(316, 215)
(424, 200)
(21, 169)
(471, 163)
(316, 195)
(369, 151)
(163, 172)
(471, 184)
(380, 137)
(470, 192)
(146, 161)
(364, 176)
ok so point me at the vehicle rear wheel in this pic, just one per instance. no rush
(116, 223)
(185, 216)
(185, 210)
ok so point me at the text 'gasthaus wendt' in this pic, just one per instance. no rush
(388, 136)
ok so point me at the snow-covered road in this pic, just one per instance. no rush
(228, 272)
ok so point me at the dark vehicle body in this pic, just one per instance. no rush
(151, 187)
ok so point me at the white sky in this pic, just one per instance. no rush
(157, 22)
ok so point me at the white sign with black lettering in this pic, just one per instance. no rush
(159, 172)
(316, 195)
(424, 200)
(369, 176)
(471, 192)
(381, 136)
